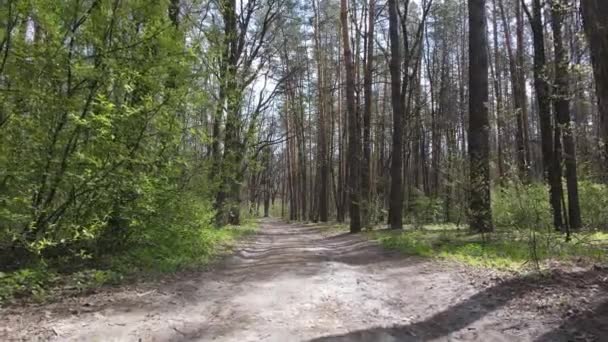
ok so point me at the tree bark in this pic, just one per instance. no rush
(227, 189)
(367, 114)
(551, 169)
(562, 113)
(498, 95)
(480, 215)
(354, 144)
(396, 196)
(518, 89)
(322, 161)
(595, 17)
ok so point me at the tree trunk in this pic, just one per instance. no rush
(229, 188)
(551, 170)
(367, 114)
(498, 94)
(595, 16)
(396, 196)
(354, 145)
(322, 161)
(479, 127)
(518, 89)
(562, 113)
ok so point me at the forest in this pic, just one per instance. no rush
(140, 138)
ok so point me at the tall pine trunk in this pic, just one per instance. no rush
(367, 114)
(562, 113)
(322, 162)
(354, 144)
(595, 16)
(480, 215)
(551, 169)
(518, 90)
(396, 196)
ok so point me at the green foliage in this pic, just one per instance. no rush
(527, 206)
(87, 280)
(39, 283)
(425, 210)
(521, 206)
(524, 236)
(163, 249)
(505, 249)
(515, 206)
(25, 282)
(594, 204)
(102, 169)
(407, 243)
(93, 133)
(187, 242)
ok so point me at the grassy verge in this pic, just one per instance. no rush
(159, 255)
(505, 249)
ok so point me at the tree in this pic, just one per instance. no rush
(551, 167)
(111, 143)
(594, 14)
(479, 163)
(396, 195)
(367, 113)
(237, 71)
(561, 103)
(322, 111)
(518, 83)
(354, 144)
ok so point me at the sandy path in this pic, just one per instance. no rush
(295, 283)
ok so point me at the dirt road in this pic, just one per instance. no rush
(299, 283)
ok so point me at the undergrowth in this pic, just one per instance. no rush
(524, 236)
(505, 249)
(161, 251)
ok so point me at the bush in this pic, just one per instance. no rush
(166, 234)
(424, 210)
(521, 206)
(25, 282)
(527, 206)
(594, 204)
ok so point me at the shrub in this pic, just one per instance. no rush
(425, 209)
(527, 206)
(521, 206)
(594, 204)
(163, 233)
(25, 282)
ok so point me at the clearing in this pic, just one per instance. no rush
(294, 282)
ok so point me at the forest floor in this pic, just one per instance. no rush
(294, 282)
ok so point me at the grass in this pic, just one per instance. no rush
(505, 249)
(159, 255)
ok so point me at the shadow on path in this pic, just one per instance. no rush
(459, 316)
(591, 326)
(294, 282)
